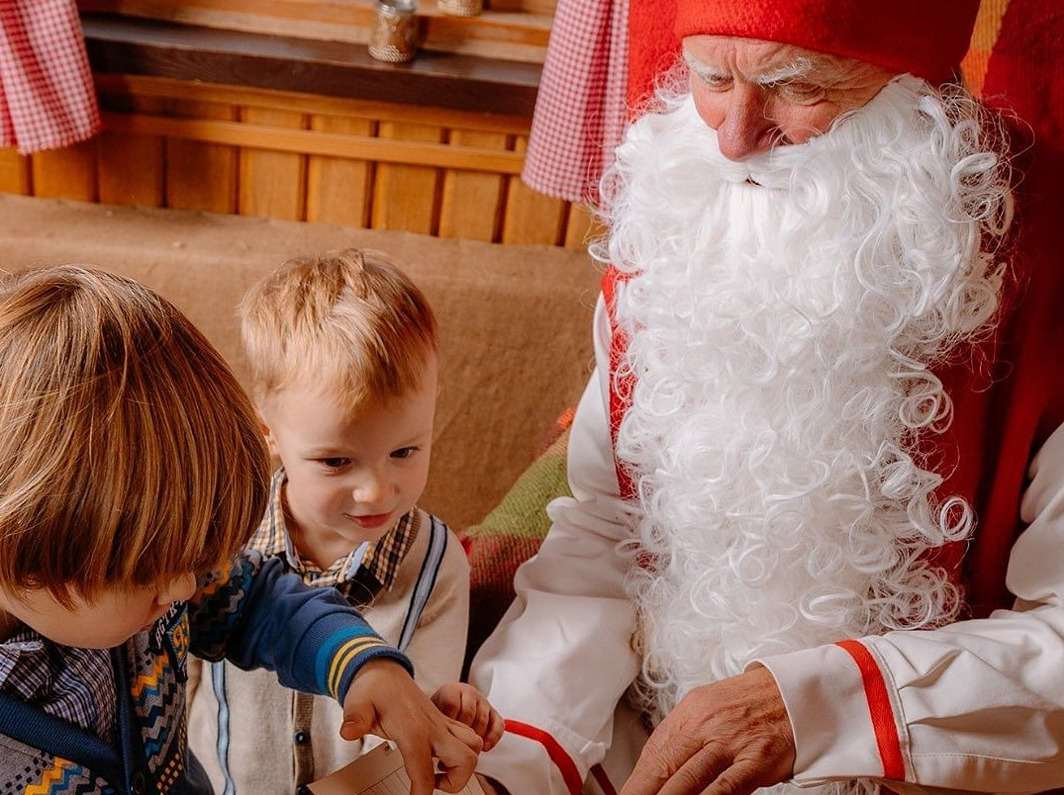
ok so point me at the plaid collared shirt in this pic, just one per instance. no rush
(360, 575)
(75, 685)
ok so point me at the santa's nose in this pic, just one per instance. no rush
(745, 129)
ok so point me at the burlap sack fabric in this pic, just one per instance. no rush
(499, 392)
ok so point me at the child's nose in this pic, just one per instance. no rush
(371, 490)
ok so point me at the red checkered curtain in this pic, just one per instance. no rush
(47, 98)
(580, 109)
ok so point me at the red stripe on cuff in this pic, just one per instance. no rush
(621, 384)
(879, 708)
(565, 764)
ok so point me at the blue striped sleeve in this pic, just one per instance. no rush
(259, 616)
(343, 652)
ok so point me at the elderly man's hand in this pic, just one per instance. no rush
(728, 738)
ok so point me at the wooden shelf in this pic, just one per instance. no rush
(510, 33)
(123, 45)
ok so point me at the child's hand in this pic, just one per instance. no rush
(464, 702)
(384, 700)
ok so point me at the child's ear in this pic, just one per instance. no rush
(178, 589)
(267, 434)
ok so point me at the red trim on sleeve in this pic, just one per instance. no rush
(879, 708)
(621, 384)
(565, 764)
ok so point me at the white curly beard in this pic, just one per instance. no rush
(781, 336)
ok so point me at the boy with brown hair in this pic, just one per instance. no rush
(343, 353)
(130, 463)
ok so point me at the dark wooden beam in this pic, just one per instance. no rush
(165, 49)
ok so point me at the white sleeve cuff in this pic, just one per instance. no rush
(825, 697)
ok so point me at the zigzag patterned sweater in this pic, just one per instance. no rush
(252, 614)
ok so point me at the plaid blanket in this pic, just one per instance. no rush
(510, 535)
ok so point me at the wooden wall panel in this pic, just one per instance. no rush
(523, 6)
(472, 201)
(300, 156)
(273, 184)
(130, 167)
(14, 172)
(405, 197)
(338, 189)
(68, 173)
(200, 175)
(532, 217)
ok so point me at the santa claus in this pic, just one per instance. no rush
(821, 444)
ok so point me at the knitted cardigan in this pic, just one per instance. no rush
(251, 613)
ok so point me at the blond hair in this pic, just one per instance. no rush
(129, 453)
(350, 321)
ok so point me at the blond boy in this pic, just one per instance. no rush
(344, 363)
(132, 471)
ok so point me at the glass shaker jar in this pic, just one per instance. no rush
(394, 34)
(461, 8)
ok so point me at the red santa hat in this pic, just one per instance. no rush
(926, 38)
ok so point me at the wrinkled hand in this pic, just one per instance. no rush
(465, 703)
(728, 738)
(384, 700)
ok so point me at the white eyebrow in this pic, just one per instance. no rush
(800, 67)
(700, 67)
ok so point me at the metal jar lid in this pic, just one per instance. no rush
(396, 8)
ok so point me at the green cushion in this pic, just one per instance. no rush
(511, 534)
